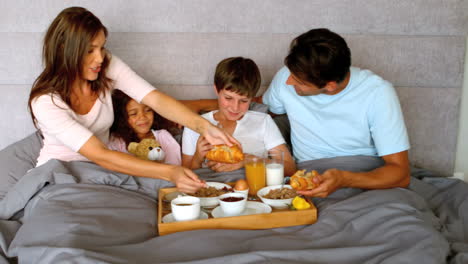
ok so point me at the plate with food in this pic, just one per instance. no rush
(277, 196)
(209, 195)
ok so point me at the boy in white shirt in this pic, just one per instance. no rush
(237, 80)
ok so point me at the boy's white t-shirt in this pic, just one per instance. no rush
(65, 132)
(257, 133)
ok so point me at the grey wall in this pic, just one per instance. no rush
(418, 45)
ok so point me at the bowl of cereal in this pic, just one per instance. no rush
(277, 196)
(209, 195)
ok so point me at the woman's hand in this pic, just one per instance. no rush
(216, 136)
(185, 180)
(222, 167)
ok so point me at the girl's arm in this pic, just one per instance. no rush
(175, 111)
(96, 151)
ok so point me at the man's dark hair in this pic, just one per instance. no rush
(319, 56)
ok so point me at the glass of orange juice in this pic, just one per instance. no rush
(255, 173)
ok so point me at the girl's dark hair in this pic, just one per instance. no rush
(239, 75)
(120, 127)
(319, 56)
(66, 43)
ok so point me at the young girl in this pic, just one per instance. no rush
(134, 121)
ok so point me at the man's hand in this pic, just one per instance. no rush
(393, 174)
(328, 182)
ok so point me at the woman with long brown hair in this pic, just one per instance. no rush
(71, 103)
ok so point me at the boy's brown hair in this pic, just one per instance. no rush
(239, 75)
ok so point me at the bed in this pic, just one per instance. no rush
(78, 212)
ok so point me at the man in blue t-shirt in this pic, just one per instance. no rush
(338, 110)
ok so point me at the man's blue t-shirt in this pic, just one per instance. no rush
(363, 119)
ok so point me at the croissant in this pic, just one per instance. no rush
(301, 181)
(225, 154)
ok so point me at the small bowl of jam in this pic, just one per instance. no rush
(232, 204)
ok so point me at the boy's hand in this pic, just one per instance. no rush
(222, 167)
(203, 146)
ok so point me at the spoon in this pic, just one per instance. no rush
(284, 181)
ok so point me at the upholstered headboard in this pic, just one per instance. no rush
(418, 45)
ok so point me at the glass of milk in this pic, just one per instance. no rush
(274, 167)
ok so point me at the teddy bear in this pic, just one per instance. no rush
(147, 149)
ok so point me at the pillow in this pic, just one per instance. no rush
(17, 159)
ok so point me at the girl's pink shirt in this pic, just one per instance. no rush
(168, 144)
(65, 132)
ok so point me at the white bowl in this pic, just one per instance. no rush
(212, 201)
(232, 208)
(275, 203)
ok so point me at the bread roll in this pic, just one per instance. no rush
(225, 154)
(302, 182)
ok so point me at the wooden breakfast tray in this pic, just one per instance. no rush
(277, 218)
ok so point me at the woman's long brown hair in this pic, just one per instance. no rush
(66, 43)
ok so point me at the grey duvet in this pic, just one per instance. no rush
(77, 212)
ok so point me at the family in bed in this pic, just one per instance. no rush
(89, 105)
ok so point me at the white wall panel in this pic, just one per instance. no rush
(431, 116)
(20, 57)
(394, 17)
(15, 119)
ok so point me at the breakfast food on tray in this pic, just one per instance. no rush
(225, 154)
(281, 193)
(211, 191)
(300, 203)
(303, 181)
(241, 185)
